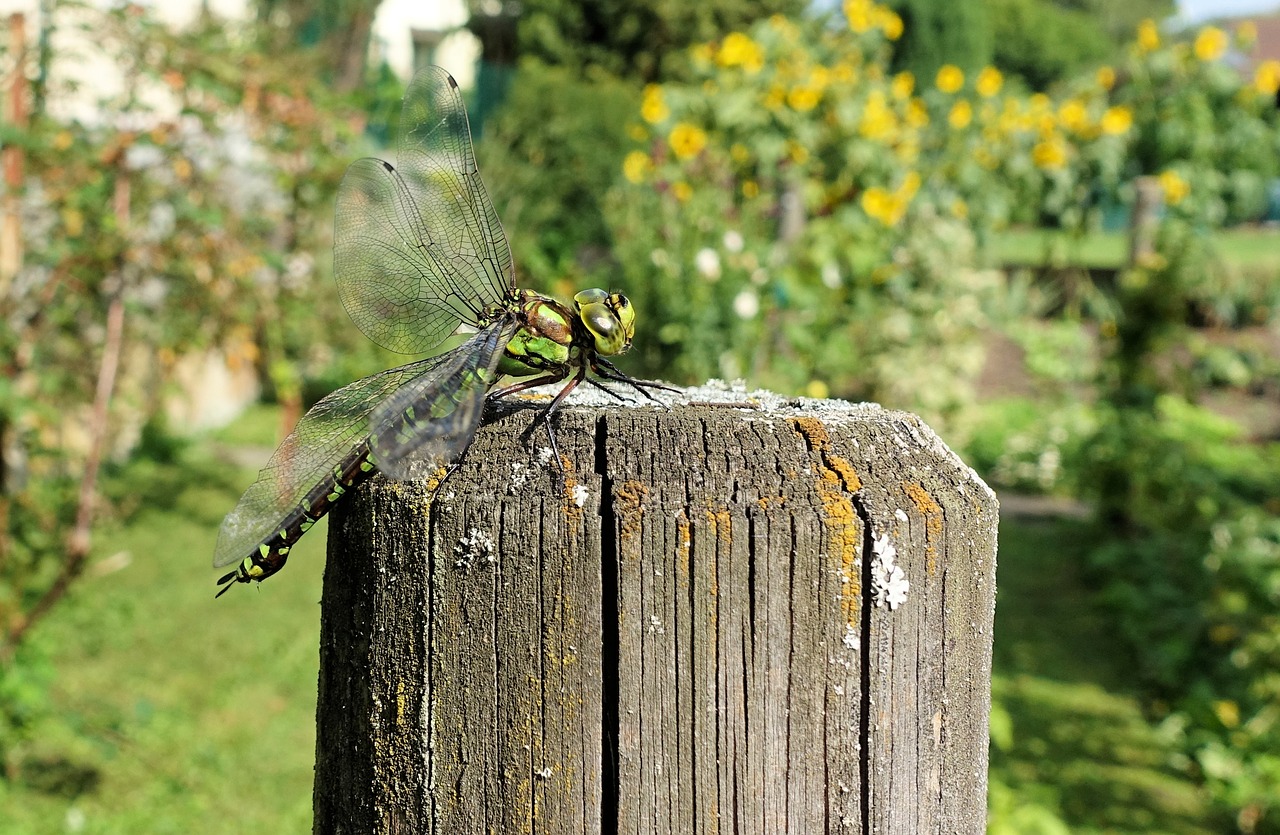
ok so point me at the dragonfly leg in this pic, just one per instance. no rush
(553, 407)
(605, 389)
(525, 385)
(609, 371)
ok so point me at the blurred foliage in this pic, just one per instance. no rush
(784, 207)
(636, 40)
(938, 32)
(798, 214)
(336, 31)
(1043, 43)
(555, 144)
(796, 196)
(1175, 484)
(197, 194)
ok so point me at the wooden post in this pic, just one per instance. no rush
(767, 619)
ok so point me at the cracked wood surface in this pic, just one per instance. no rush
(691, 633)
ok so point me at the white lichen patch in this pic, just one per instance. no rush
(850, 637)
(476, 545)
(580, 494)
(520, 475)
(889, 584)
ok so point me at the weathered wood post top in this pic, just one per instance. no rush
(733, 613)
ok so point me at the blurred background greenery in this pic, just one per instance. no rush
(925, 203)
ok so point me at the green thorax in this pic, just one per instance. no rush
(554, 337)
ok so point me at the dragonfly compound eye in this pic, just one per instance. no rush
(605, 328)
(626, 314)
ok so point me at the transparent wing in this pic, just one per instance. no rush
(418, 247)
(327, 433)
(435, 415)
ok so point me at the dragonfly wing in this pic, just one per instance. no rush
(324, 436)
(418, 247)
(434, 416)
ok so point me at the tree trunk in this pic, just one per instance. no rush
(703, 627)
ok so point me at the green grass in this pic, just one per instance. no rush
(1071, 750)
(1243, 248)
(171, 712)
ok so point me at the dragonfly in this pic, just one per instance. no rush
(419, 255)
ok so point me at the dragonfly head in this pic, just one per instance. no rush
(609, 318)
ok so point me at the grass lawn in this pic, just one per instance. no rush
(1243, 248)
(1071, 750)
(172, 712)
(175, 713)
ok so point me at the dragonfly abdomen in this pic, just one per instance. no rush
(353, 470)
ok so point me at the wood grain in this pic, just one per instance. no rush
(687, 633)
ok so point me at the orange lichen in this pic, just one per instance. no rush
(629, 505)
(932, 513)
(684, 540)
(572, 509)
(837, 481)
(721, 523)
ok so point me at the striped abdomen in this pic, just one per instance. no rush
(270, 556)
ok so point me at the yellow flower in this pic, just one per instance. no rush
(687, 140)
(798, 153)
(653, 109)
(750, 189)
(1247, 34)
(844, 73)
(636, 166)
(1073, 115)
(1148, 36)
(989, 82)
(739, 152)
(907, 151)
(1116, 120)
(1046, 125)
(1049, 154)
(917, 116)
(182, 168)
(817, 390)
(73, 222)
(879, 205)
(682, 190)
(63, 140)
(903, 83)
(775, 98)
(1210, 44)
(1039, 103)
(803, 99)
(738, 50)
(878, 120)
(959, 209)
(1175, 188)
(1266, 79)
(889, 22)
(950, 78)
(1106, 78)
(1228, 712)
(910, 185)
(961, 115)
(859, 13)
